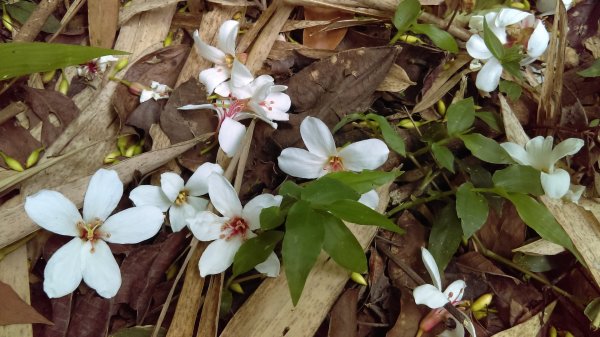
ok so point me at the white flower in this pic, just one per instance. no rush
(222, 56)
(96, 66)
(547, 6)
(231, 230)
(323, 157)
(510, 27)
(538, 153)
(182, 201)
(87, 256)
(156, 91)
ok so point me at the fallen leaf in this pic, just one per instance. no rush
(540, 247)
(408, 321)
(13, 310)
(90, 317)
(505, 233)
(343, 321)
(396, 80)
(16, 142)
(61, 316)
(531, 327)
(139, 331)
(102, 18)
(316, 37)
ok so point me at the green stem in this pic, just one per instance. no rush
(209, 147)
(419, 201)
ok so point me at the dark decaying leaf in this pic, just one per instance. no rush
(55, 110)
(13, 310)
(91, 316)
(343, 322)
(407, 323)
(162, 66)
(507, 226)
(61, 316)
(316, 37)
(583, 22)
(16, 142)
(143, 269)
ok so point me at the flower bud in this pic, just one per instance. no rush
(12, 163)
(111, 158)
(48, 76)
(358, 278)
(411, 39)
(168, 40)
(137, 149)
(441, 107)
(63, 87)
(480, 314)
(122, 63)
(568, 333)
(7, 20)
(552, 332)
(136, 88)
(130, 151)
(408, 124)
(33, 157)
(123, 142)
(236, 288)
(482, 302)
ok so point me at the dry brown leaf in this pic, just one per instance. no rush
(407, 248)
(315, 37)
(13, 310)
(137, 7)
(530, 328)
(407, 323)
(397, 80)
(16, 142)
(342, 321)
(102, 19)
(540, 247)
(508, 226)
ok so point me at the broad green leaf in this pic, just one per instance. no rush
(486, 149)
(492, 42)
(390, 136)
(443, 156)
(290, 188)
(355, 212)
(461, 116)
(480, 177)
(363, 182)
(511, 89)
(514, 68)
(445, 236)
(513, 54)
(21, 11)
(254, 251)
(406, 14)
(537, 216)
(491, 119)
(326, 190)
(537, 263)
(472, 209)
(441, 38)
(519, 179)
(22, 58)
(592, 71)
(342, 245)
(271, 217)
(302, 244)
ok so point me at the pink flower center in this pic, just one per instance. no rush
(235, 227)
(92, 67)
(232, 110)
(267, 104)
(91, 232)
(334, 164)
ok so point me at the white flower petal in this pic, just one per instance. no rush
(278, 104)
(171, 184)
(556, 184)
(539, 152)
(567, 147)
(489, 75)
(240, 75)
(370, 199)
(367, 154)
(146, 95)
(212, 77)
(197, 185)
(455, 291)
(499, 31)
(206, 226)
(430, 296)
(63, 271)
(301, 163)
(208, 52)
(54, 212)
(179, 214)
(538, 41)
(516, 152)
(270, 266)
(218, 256)
(317, 137)
(133, 225)
(431, 267)
(224, 89)
(476, 23)
(197, 107)
(223, 196)
(102, 196)
(477, 49)
(510, 16)
(251, 212)
(100, 269)
(197, 203)
(231, 135)
(144, 195)
(227, 36)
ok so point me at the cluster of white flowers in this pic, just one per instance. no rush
(95, 66)
(241, 96)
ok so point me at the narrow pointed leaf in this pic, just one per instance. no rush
(326, 190)
(486, 149)
(254, 251)
(342, 245)
(492, 42)
(355, 212)
(445, 236)
(472, 209)
(390, 136)
(271, 217)
(366, 180)
(519, 179)
(461, 116)
(441, 38)
(406, 14)
(443, 156)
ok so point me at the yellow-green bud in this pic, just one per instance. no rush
(518, 5)
(33, 157)
(122, 63)
(568, 334)
(441, 107)
(480, 314)
(63, 87)
(12, 163)
(408, 124)
(552, 332)
(168, 40)
(112, 157)
(123, 142)
(237, 16)
(236, 288)
(48, 76)
(358, 278)
(7, 20)
(410, 39)
(130, 151)
(482, 302)
(127, 4)
(137, 149)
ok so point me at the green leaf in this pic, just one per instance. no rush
(445, 236)
(592, 71)
(254, 251)
(363, 182)
(21, 11)
(406, 14)
(472, 209)
(390, 136)
(301, 245)
(480, 177)
(355, 212)
(441, 38)
(461, 116)
(271, 217)
(519, 179)
(592, 311)
(443, 156)
(22, 58)
(511, 89)
(492, 42)
(347, 119)
(290, 188)
(342, 245)
(326, 190)
(486, 149)
(537, 216)
(514, 68)
(491, 119)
